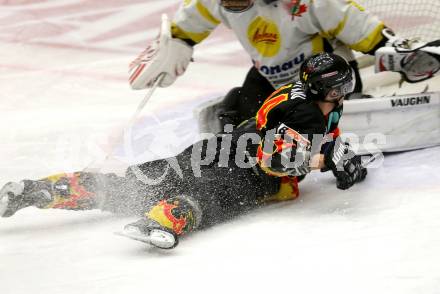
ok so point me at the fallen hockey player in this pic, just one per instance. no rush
(261, 161)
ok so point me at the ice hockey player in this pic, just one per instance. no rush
(294, 131)
(278, 35)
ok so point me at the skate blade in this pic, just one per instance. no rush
(158, 238)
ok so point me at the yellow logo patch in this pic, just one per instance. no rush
(264, 36)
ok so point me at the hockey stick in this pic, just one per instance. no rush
(371, 159)
(128, 125)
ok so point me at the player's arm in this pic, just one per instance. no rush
(195, 20)
(292, 134)
(344, 163)
(346, 21)
(171, 52)
(294, 148)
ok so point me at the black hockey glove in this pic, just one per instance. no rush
(345, 164)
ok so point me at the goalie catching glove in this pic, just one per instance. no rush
(166, 55)
(416, 61)
(344, 163)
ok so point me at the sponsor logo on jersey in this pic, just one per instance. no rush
(263, 35)
(411, 101)
(296, 8)
(286, 66)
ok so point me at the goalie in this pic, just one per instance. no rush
(295, 131)
(279, 35)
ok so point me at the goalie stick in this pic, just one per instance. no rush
(121, 133)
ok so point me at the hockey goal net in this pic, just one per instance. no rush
(408, 18)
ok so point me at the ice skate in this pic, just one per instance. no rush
(15, 196)
(164, 222)
(150, 232)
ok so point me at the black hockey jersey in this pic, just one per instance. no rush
(290, 106)
(289, 110)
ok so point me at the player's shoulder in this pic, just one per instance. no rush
(292, 91)
(301, 112)
(287, 103)
(297, 92)
(305, 117)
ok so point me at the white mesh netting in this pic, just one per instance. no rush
(408, 18)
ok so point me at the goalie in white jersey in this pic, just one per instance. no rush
(278, 36)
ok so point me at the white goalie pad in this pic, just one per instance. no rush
(396, 123)
(388, 124)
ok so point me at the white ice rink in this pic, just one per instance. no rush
(64, 95)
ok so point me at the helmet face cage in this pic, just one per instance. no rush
(329, 89)
(327, 76)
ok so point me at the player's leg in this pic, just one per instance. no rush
(161, 181)
(218, 195)
(165, 220)
(168, 209)
(243, 102)
(82, 190)
(75, 191)
(152, 182)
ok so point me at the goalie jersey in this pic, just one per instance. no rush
(279, 36)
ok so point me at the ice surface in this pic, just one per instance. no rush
(63, 72)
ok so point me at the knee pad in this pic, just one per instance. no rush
(180, 214)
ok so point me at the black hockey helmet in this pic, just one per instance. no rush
(326, 73)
